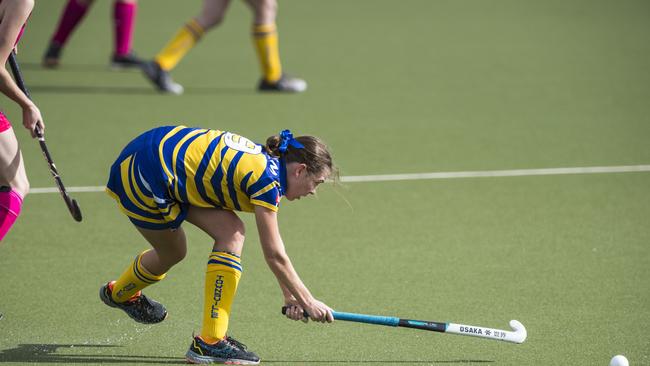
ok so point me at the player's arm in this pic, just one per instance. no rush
(16, 13)
(280, 264)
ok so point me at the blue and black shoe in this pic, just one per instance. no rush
(140, 308)
(227, 351)
(128, 61)
(286, 84)
(161, 78)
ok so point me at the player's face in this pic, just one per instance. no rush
(301, 183)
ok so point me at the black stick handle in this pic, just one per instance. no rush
(15, 69)
(18, 76)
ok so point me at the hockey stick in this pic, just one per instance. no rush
(517, 335)
(73, 207)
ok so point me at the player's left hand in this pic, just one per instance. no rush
(295, 311)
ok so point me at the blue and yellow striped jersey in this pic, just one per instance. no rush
(212, 168)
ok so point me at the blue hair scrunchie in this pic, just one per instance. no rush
(286, 140)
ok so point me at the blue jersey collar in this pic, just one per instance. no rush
(283, 176)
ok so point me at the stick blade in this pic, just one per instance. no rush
(519, 333)
(75, 211)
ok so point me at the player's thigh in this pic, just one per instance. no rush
(12, 166)
(224, 227)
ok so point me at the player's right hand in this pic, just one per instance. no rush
(319, 312)
(32, 119)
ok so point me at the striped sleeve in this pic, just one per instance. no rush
(267, 196)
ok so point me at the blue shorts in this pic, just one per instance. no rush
(139, 186)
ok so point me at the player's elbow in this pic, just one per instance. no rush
(276, 259)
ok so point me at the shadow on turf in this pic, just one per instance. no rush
(48, 353)
(120, 90)
(134, 90)
(53, 353)
(34, 66)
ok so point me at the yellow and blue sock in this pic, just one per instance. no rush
(133, 280)
(221, 278)
(179, 45)
(265, 37)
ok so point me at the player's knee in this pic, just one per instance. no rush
(207, 21)
(265, 11)
(238, 234)
(231, 244)
(238, 238)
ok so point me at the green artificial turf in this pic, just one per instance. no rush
(394, 87)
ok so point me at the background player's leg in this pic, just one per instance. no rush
(184, 40)
(211, 15)
(124, 15)
(265, 38)
(73, 13)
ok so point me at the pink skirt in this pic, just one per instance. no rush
(4, 123)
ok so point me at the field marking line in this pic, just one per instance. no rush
(68, 189)
(437, 175)
(498, 173)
